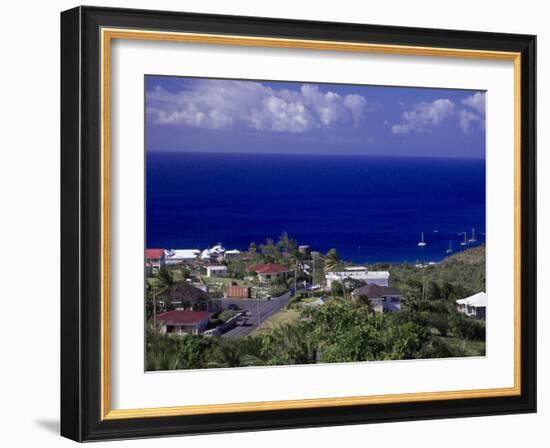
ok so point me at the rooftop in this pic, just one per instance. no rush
(154, 253)
(478, 300)
(269, 268)
(183, 317)
(180, 292)
(182, 253)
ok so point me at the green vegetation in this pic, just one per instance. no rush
(283, 317)
(455, 277)
(343, 329)
(339, 331)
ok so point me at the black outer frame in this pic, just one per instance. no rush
(80, 223)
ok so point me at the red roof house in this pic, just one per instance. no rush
(155, 259)
(183, 321)
(268, 271)
(153, 254)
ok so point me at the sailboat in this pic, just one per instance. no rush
(421, 243)
(465, 242)
(450, 249)
(473, 238)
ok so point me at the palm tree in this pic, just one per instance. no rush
(332, 261)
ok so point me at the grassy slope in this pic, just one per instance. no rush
(466, 269)
(282, 317)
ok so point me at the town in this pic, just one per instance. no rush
(216, 292)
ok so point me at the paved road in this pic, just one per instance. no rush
(267, 309)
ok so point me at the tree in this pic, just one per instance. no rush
(164, 277)
(175, 353)
(366, 302)
(287, 344)
(337, 289)
(318, 267)
(270, 252)
(236, 268)
(332, 261)
(253, 251)
(286, 243)
(433, 291)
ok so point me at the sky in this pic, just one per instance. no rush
(244, 116)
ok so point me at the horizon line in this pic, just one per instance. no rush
(315, 154)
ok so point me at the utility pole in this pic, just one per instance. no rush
(295, 276)
(312, 272)
(154, 310)
(259, 319)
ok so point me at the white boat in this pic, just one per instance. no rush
(465, 242)
(473, 238)
(421, 243)
(450, 249)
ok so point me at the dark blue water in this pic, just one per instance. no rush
(369, 208)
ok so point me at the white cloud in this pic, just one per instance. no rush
(223, 104)
(466, 117)
(476, 102)
(473, 113)
(424, 116)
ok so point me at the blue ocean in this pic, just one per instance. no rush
(371, 209)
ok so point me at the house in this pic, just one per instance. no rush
(155, 258)
(232, 254)
(185, 296)
(268, 272)
(182, 322)
(216, 271)
(180, 256)
(380, 278)
(214, 253)
(474, 306)
(383, 299)
(238, 292)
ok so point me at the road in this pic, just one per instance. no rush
(267, 309)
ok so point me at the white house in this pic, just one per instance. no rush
(474, 306)
(216, 271)
(178, 256)
(383, 299)
(380, 278)
(213, 253)
(232, 254)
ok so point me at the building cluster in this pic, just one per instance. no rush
(211, 258)
(193, 306)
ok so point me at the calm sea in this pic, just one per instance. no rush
(372, 209)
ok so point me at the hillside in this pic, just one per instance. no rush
(465, 270)
(474, 256)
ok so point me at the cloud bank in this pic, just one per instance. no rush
(473, 113)
(425, 116)
(224, 104)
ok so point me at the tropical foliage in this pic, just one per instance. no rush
(344, 329)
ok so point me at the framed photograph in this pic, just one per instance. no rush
(276, 224)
